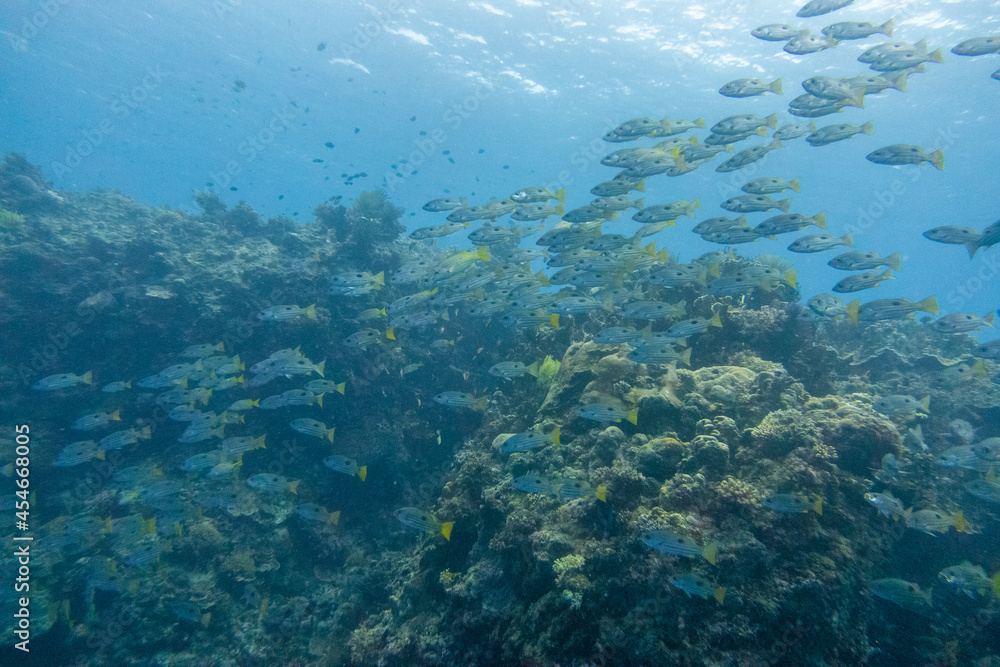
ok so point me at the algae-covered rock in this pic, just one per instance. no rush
(782, 431)
(860, 436)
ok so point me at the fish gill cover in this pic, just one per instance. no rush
(554, 427)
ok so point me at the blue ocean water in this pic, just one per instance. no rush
(483, 98)
(286, 106)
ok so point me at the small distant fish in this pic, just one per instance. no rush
(889, 309)
(776, 32)
(858, 29)
(346, 465)
(286, 313)
(792, 503)
(970, 579)
(838, 132)
(859, 260)
(820, 242)
(532, 195)
(933, 521)
(748, 156)
(984, 490)
(445, 204)
(898, 154)
(419, 519)
(116, 386)
(751, 88)
(693, 326)
(64, 381)
(272, 483)
(862, 281)
(692, 584)
(898, 405)
(805, 44)
(317, 514)
(955, 235)
(887, 505)
(794, 131)
(532, 484)
(313, 427)
(529, 440)
(460, 399)
(667, 541)
(200, 351)
(977, 46)
(769, 185)
(820, 7)
(962, 322)
(508, 370)
(755, 203)
(606, 412)
(96, 420)
(903, 593)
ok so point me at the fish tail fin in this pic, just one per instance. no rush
(772, 121)
(554, 320)
(699, 122)
(560, 195)
(988, 320)
(151, 526)
(820, 219)
(775, 144)
(685, 357)
(925, 403)
(319, 400)
(446, 529)
(851, 310)
(716, 321)
(320, 366)
(818, 506)
(795, 185)
(785, 205)
(601, 492)
(995, 584)
(710, 551)
(894, 261)
(790, 278)
(390, 334)
(979, 368)
(206, 619)
(146, 433)
(341, 388)
(633, 416)
(887, 27)
(482, 402)
(848, 240)
(100, 454)
(937, 159)
(640, 186)
(973, 248)
(87, 378)
(294, 487)
(560, 210)
(380, 278)
(929, 305)
(640, 203)
(720, 594)
(483, 254)
(555, 436)
(775, 87)
(329, 433)
(958, 520)
(868, 127)
(334, 518)
(532, 369)
(363, 472)
(901, 82)
(117, 414)
(219, 347)
(259, 442)
(936, 56)
(311, 312)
